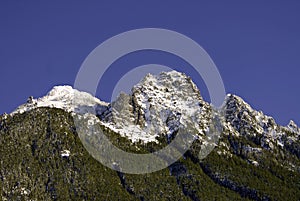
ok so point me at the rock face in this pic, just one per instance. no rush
(259, 128)
(255, 158)
(157, 106)
(293, 127)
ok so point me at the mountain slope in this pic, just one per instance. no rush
(255, 158)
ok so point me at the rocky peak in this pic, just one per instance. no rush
(159, 104)
(245, 119)
(171, 83)
(237, 111)
(293, 127)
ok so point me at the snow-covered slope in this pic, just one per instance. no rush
(160, 104)
(66, 98)
(157, 106)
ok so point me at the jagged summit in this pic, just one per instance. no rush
(240, 113)
(171, 80)
(293, 126)
(159, 105)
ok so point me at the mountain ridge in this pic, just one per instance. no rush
(63, 97)
(254, 158)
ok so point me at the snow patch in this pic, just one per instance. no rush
(65, 153)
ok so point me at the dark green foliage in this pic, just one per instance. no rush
(31, 159)
(268, 181)
(31, 167)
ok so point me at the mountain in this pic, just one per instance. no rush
(43, 158)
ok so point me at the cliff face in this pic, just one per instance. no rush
(42, 157)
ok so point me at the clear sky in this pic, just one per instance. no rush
(255, 45)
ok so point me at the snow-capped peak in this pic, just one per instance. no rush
(158, 105)
(66, 98)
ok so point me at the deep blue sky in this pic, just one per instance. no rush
(254, 44)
